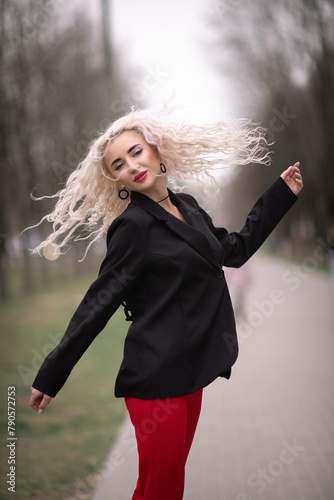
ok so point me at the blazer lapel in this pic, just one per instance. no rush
(195, 232)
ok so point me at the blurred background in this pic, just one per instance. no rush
(69, 67)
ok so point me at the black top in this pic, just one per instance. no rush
(169, 273)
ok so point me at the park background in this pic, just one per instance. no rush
(67, 69)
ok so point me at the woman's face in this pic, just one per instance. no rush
(134, 163)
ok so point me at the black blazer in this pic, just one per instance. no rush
(169, 276)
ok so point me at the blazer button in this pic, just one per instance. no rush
(220, 274)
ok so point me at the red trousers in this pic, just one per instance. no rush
(165, 429)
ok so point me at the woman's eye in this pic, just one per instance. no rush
(119, 166)
(137, 152)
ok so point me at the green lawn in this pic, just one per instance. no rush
(58, 454)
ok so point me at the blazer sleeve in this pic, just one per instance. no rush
(261, 221)
(118, 273)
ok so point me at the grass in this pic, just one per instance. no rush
(58, 454)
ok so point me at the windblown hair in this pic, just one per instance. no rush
(89, 201)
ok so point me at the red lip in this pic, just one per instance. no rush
(140, 177)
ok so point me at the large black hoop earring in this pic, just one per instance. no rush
(123, 193)
(163, 169)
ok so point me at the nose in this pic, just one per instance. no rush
(132, 165)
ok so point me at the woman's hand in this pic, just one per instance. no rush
(39, 401)
(293, 178)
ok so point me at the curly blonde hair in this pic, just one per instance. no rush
(89, 201)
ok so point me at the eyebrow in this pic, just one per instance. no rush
(129, 151)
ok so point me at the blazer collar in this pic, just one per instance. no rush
(196, 232)
(149, 205)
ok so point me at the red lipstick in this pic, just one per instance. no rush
(140, 177)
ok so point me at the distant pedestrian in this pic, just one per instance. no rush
(330, 253)
(164, 265)
(239, 281)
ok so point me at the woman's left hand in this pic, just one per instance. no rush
(293, 178)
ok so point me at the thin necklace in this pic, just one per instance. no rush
(163, 199)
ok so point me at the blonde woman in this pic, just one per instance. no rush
(164, 263)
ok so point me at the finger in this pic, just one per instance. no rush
(294, 174)
(39, 401)
(297, 174)
(285, 174)
(35, 399)
(289, 171)
(294, 170)
(44, 403)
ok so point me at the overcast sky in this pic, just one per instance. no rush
(169, 42)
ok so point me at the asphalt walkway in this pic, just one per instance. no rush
(267, 433)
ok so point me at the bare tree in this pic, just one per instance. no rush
(55, 96)
(283, 63)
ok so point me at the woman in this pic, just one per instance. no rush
(164, 264)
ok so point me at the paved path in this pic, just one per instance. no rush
(267, 433)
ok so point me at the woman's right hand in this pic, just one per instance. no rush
(39, 401)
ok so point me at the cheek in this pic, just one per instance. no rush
(154, 162)
(123, 176)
